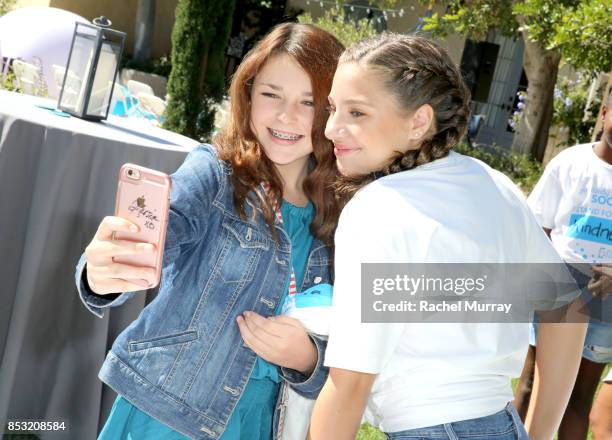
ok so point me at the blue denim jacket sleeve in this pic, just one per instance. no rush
(96, 303)
(194, 187)
(309, 387)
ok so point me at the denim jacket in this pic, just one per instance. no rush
(183, 360)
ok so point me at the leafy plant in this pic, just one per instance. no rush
(339, 21)
(199, 38)
(9, 83)
(160, 66)
(571, 98)
(369, 432)
(336, 21)
(39, 88)
(6, 6)
(521, 168)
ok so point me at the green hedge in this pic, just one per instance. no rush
(199, 39)
(521, 168)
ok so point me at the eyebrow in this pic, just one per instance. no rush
(279, 88)
(354, 102)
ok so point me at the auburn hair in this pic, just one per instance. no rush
(317, 52)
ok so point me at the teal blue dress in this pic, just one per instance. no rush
(252, 417)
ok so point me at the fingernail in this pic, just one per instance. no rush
(134, 228)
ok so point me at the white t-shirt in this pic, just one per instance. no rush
(573, 198)
(454, 209)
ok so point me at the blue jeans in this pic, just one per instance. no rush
(503, 425)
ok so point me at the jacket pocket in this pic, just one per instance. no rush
(161, 341)
(242, 246)
(246, 234)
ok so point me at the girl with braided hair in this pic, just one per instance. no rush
(398, 106)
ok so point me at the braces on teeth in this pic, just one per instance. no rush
(285, 136)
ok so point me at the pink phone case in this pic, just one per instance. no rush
(143, 197)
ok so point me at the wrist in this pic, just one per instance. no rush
(310, 360)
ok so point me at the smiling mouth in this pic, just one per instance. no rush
(284, 135)
(341, 147)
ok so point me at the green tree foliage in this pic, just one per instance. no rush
(584, 36)
(335, 20)
(473, 19)
(197, 80)
(6, 6)
(575, 31)
(581, 30)
(338, 21)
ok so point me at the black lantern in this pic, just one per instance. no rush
(91, 70)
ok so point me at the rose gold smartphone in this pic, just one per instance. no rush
(143, 197)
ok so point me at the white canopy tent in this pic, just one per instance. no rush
(41, 33)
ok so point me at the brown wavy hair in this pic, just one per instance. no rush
(317, 52)
(416, 71)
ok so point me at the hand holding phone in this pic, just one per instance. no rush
(127, 251)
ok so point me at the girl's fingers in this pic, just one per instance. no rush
(601, 287)
(253, 342)
(111, 286)
(111, 224)
(119, 285)
(594, 285)
(113, 271)
(124, 247)
(264, 327)
(246, 334)
(602, 270)
(285, 320)
(101, 252)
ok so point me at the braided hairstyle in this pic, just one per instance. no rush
(416, 71)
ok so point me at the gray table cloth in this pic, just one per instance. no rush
(57, 181)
